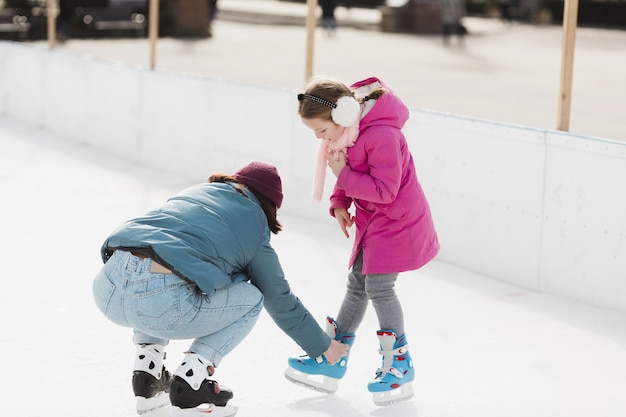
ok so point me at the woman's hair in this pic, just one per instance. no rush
(268, 207)
(329, 90)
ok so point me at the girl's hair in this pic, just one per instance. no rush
(330, 90)
(269, 208)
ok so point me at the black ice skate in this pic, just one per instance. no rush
(193, 394)
(151, 381)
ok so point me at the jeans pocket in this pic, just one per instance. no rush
(103, 290)
(158, 309)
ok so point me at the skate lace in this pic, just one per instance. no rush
(381, 372)
(318, 360)
(394, 352)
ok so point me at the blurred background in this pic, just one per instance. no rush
(24, 20)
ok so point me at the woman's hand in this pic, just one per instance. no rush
(336, 351)
(336, 161)
(344, 219)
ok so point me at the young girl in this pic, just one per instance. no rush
(362, 142)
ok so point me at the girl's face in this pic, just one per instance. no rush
(324, 129)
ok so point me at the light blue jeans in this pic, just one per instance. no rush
(161, 307)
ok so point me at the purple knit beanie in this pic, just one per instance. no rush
(262, 178)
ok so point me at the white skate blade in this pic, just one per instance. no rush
(205, 410)
(404, 393)
(145, 405)
(320, 383)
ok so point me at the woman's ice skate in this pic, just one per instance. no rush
(393, 379)
(316, 373)
(193, 394)
(151, 381)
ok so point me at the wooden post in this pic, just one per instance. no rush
(51, 9)
(311, 23)
(570, 17)
(153, 30)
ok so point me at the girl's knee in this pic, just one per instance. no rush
(380, 287)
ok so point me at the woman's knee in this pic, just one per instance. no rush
(248, 294)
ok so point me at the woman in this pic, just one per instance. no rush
(201, 267)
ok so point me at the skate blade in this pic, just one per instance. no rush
(205, 410)
(320, 383)
(384, 398)
(146, 405)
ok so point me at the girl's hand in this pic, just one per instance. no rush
(344, 219)
(336, 161)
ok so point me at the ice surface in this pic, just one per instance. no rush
(481, 348)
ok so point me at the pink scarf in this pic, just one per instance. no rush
(346, 140)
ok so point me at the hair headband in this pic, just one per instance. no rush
(345, 112)
(317, 100)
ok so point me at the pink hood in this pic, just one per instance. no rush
(394, 225)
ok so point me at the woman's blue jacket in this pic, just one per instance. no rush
(214, 235)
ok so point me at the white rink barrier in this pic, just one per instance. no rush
(541, 209)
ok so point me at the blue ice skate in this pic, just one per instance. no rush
(394, 377)
(316, 373)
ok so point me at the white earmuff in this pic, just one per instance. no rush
(347, 111)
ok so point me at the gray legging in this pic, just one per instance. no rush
(380, 288)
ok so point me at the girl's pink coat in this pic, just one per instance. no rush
(394, 226)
